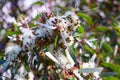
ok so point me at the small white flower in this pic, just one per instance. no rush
(90, 67)
(63, 22)
(12, 38)
(10, 19)
(7, 74)
(42, 32)
(69, 39)
(28, 38)
(73, 18)
(23, 6)
(52, 21)
(17, 77)
(87, 55)
(2, 33)
(96, 75)
(76, 72)
(76, 45)
(107, 39)
(64, 62)
(115, 50)
(12, 50)
(31, 75)
(21, 73)
(7, 8)
(107, 59)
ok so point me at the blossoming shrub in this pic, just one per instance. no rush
(51, 46)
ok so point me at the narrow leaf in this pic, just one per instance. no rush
(2, 61)
(72, 54)
(38, 3)
(31, 24)
(107, 47)
(91, 70)
(108, 74)
(55, 42)
(5, 66)
(85, 17)
(110, 78)
(68, 54)
(101, 28)
(88, 49)
(52, 57)
(10, 33)
(114, 67)
(81, 30)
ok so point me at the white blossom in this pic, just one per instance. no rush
(31, 75)
(28, 38)
(23, 6)
(7, 74)
(21, 73)
(64, 62)
(107, 59)
(12, 38)
(2, 33)
(73, 18)
(10, 19)
(115, 50)
(76, 72)
(12, 51)
(91, 67)
(96, 75)
(7, 8)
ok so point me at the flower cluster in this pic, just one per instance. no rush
(57, 33)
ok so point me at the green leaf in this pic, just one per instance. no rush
(22, 16)
(38, 3)
(72, 78)
(117, 28)
(10, 33)
(88, 49)
(81, 30)
(115, 68)
(108, 74)
(16, 27)
(110, 78)
(85, 17)
(55, 42)
(107, 47)
(27, 67)
(115, 23)
(2, 54)
(90, 78)
(101, 28)
(72, 54)
(31, 24)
